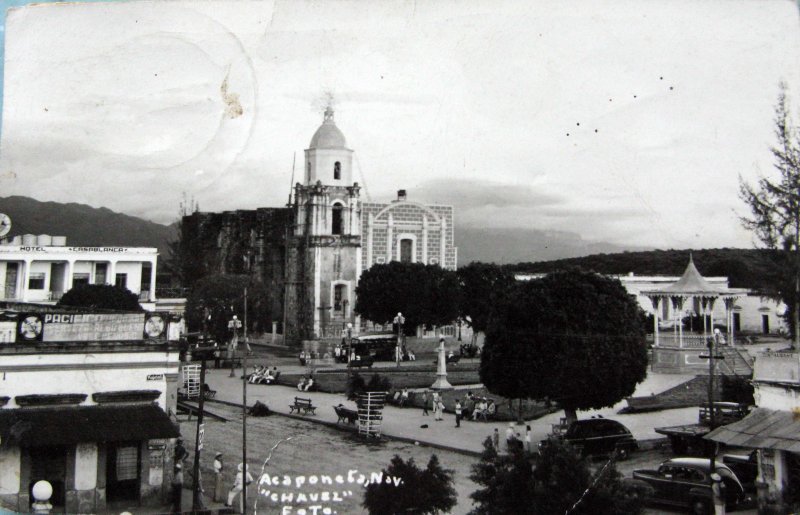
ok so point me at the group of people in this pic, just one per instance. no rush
(242, 479)
(305, 384)
(306, 356)
(476, 407)
(263, 375)
(513, 439)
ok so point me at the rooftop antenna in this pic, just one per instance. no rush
(291, 184)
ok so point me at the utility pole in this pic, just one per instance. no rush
(244, 409)
(197, 499)
(711, 356)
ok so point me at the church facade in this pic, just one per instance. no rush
(311, 253)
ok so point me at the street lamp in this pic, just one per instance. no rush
(399, 320)
(710, 343)
(349, 340)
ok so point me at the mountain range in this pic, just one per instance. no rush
(86, 225)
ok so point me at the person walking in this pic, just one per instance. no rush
(717, 493)
(177, 488)
(496, 440)
(425, 403)
(458, 413)
(528, 439)
(438, 407)
(218, 486)
(510, 436)
(243, 478)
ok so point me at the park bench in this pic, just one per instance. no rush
(345, 414)
(304, 405)
(365, 361)
(450, 360)
(208, 393)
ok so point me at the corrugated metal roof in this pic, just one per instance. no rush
(762, 429)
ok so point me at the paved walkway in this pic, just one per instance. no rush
(405, 423)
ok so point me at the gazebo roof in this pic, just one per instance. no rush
(692, 283)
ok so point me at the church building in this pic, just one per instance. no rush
(311, 253)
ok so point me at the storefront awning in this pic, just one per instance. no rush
(36, 427)
(762, 429)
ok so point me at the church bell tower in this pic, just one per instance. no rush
(324, 261)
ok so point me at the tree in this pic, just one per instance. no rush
(561, 482)
(218, 297)
(481, 283)
(775, 213)
(419, 492)
(507, 481)
(425, 294)
(101, 296)
(573, 337)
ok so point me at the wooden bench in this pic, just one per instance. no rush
(303, 405)
(208, 393)
(363, 362)
(345, 414)
(450, 360)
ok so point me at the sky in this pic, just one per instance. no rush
(628, 122)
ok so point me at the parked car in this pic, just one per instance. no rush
(745, 466)
(685, 482)
(597, 436)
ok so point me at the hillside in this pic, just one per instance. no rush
(745, 268)
(84, 225)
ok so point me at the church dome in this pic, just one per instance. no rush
(328, 135)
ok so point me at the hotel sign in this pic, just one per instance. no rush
(11, 249)
(79, 327)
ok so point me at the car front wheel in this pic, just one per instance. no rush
(701, 507)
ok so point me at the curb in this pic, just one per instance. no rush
(644, 445)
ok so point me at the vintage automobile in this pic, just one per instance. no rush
(685, 482)
(597, 436)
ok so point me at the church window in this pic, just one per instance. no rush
(337, 170)
(336, 221)
(406, 247)
(338, 297)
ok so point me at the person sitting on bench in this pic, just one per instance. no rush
(411, 356)
(309, 384)
(302, 384)
(480, 407)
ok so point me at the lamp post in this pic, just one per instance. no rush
(349, 340)
(399, 320)
(710, 343)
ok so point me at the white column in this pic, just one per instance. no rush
(70, 269)
(370, 241)
(111, 273)
(424, 239)
(26, 275)
(153, 280)
(443, 244)
(389, 238)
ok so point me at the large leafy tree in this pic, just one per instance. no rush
(425, 294)
(506, 481)
(421, 491)
(573, 337)
(774, 204)
(560, 482)
(481, 284)
(216, 298)
(101, 296)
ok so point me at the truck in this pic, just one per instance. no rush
(688, 439)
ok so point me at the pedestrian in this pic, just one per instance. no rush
(717, 493)
(404, 397)
(438, 408)
(177, 488)
(180, 452)
(425, 403)
(243, 478)
(496, 439)
(510, 436)
(458, 413)
(218, 487)
(528, 438)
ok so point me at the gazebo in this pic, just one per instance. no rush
(702, 295)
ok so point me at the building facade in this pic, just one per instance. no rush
(87, 404)
(311, 253)
(41, 268)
